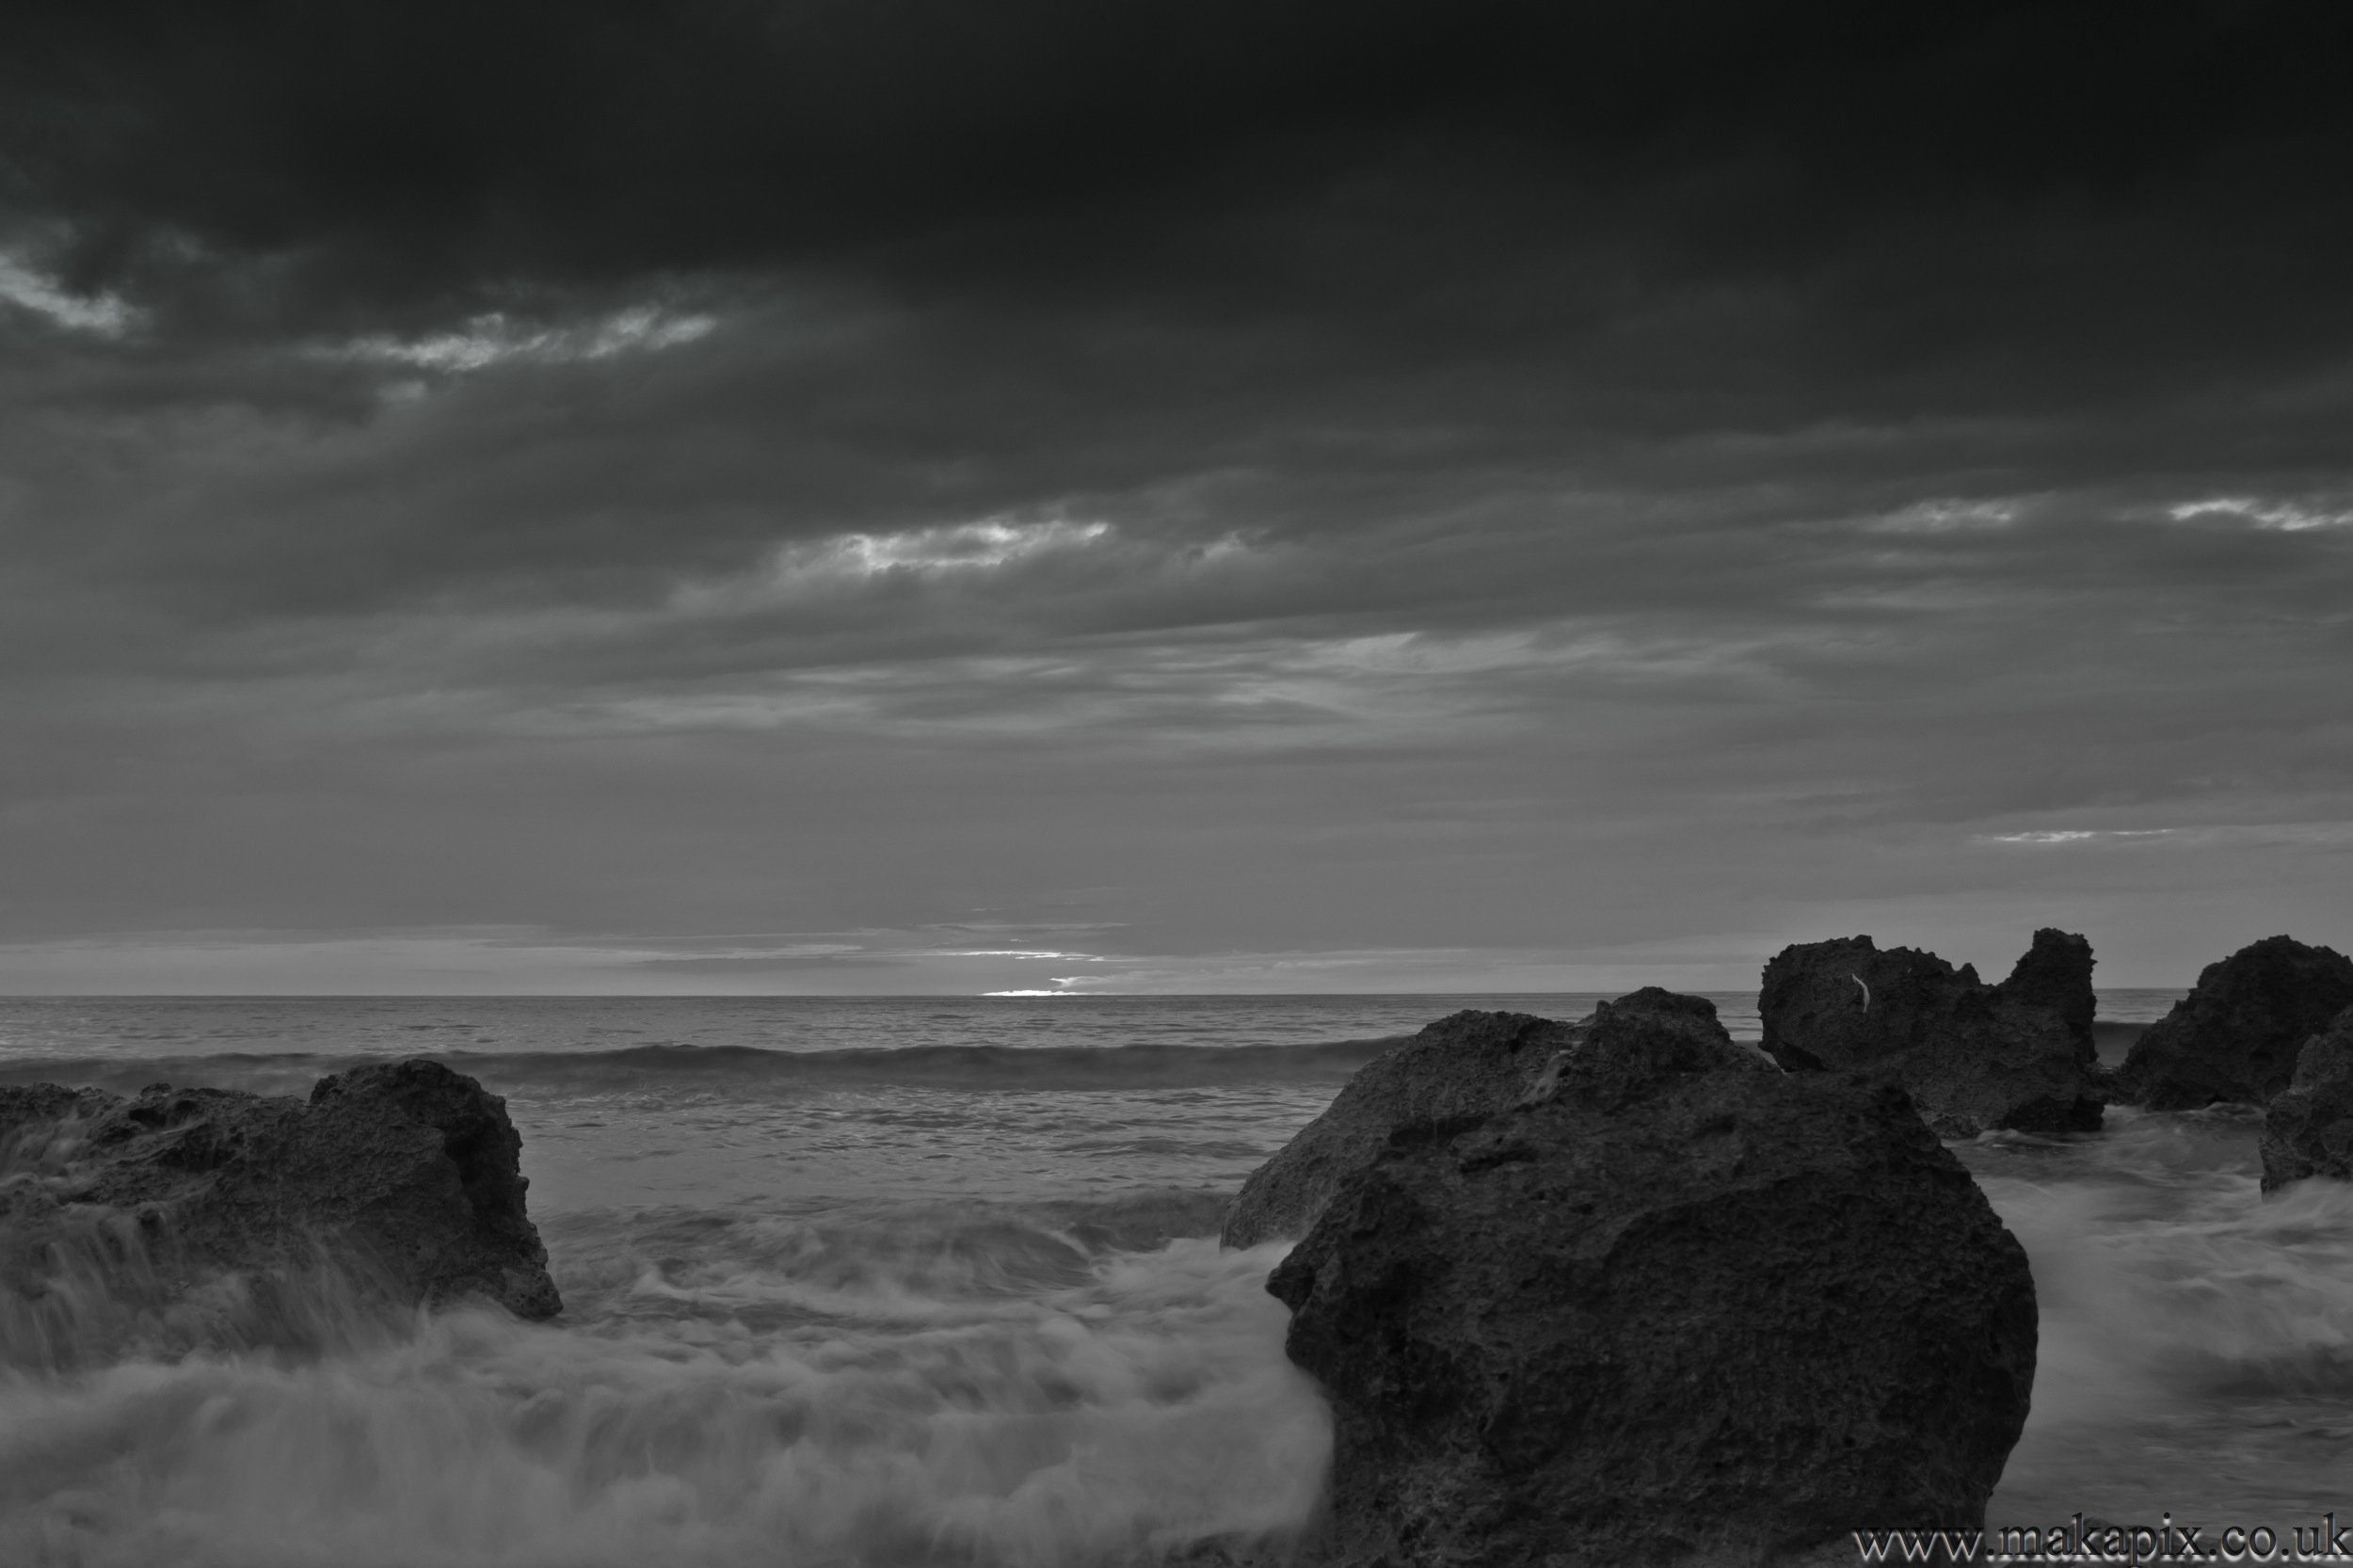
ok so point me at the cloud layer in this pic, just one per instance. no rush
(1569, 492)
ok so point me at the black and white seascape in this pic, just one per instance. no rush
(937, 1281)
(711, 715)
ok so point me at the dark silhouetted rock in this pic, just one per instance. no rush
(2235, 1036)
(2308, 1129)
(2054, 973)
(1624, 1046)
(1973, 1056)
(1458, 1070)
(402, 1176)
(1711, 1319)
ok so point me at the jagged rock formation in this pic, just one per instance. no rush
(2308, 1129)
(2235, 1036)
(1462, 1068)
(1973, 1056)
(402, 1179)
(1711, 1318)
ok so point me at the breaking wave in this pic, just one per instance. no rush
(934, 1386)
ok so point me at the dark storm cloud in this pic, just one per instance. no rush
(434, 142)
(966, 260)
(348, 163)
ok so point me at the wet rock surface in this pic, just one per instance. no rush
(2308, 1128)
(1974, 1057)
(2237, 1037)
(1460, 1069)
(1710, 1317)
(402, 1179)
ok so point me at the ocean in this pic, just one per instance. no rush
(921, 1281)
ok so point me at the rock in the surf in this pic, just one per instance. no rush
(1714, 1318)
(1972, 1056)
(2308, 1129)
(1623, 1048)
(402, 1179)
(2235, 1036)
(1462, 1068)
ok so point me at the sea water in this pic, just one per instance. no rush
(926, 1281)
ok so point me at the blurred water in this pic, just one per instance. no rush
(922, 1281)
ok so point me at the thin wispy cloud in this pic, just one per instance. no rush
(494, 339)
(2222, 836)
(2286, 516)
(102, 314)
(1946, 517)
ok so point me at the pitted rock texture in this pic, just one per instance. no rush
(1458, 1070)
(1710, 1318)
(1464, 1066)
(2237, 1036)
(1973, 1056)
(2308, 1129)
(405, 1176)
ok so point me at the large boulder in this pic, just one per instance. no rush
(399, 1181)
(1713, 1318)
(2308, 1129)
(1458, 1070)
(1973, 1056)
(2235, 1036)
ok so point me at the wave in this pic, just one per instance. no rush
(1136, 1408)
(676, 1066)
(2196, 1334)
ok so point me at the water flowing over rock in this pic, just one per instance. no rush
(399, 1181)
(1973, 1056)
(2235, 1036)
(2308, 1129)
(1710, 1317)
(1463, 1067)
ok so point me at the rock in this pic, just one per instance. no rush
(1626, 1045)
(1713, 1318)
(1974, 1057)
(1466, 1065)
(2235, 1036)
(2054, 972)
(402, 1177)
(2308, 1129)
(1463, 1067)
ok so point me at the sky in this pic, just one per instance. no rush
(966, 495)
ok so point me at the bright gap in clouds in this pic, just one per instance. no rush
(492, 339)
(1946, 516)
(2285, 516)
(2080, 834)
(2212, 836)
(988, 543)
(793, 569)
